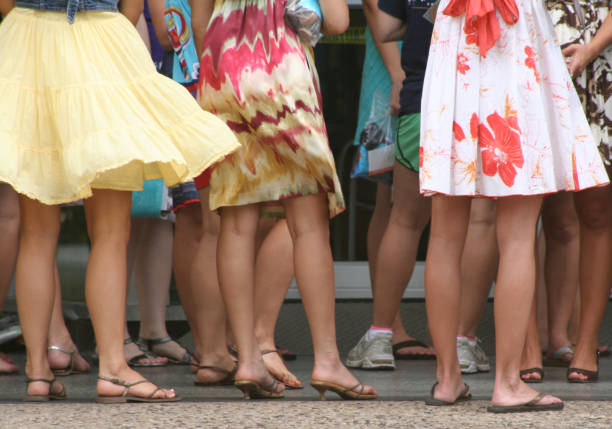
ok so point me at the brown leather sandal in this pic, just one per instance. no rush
(254, 390)
(591, 376)
(44, 398)
(228, 380)
(344, 392)
(127, 397)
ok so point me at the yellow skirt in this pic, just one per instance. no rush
(82, 107)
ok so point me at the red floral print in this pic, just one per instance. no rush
(458, 131)
(474, 125)
(501, 151)
(462, 65)
(530, 62)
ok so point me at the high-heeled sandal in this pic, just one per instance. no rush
(354, 392)
(69, 369)
(228, 380)
(44, 398)
(127, 397)
(591, 376)
(294, 385)
(254, 390)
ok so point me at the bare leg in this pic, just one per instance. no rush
(478, 265)
(35, 287)
(9, 231)
(236, 266)
(514, 296)
(397, 254)
(562, 254)
(273, 274)
(60, 336)
(308, 220)
(187, 234)
(532, 352)
(595, 215)
(449, 223)
(108, 224)
(378, 225)
(207, 301)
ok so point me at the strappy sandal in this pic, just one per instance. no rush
(531, 405)
(55, 396)
(149, 343)
(591, 376)
(228, 380)
(294, 385)
(254, 390)
(355, 392)
(146, 354)
(69, 369)
(463, 396)
(127, 397)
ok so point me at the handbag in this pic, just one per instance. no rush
(305, 18)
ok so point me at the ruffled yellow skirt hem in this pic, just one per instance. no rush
(82, 107)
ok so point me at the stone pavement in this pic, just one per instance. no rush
(400, 404)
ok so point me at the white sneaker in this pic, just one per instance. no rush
(373, 351)
(472, 358)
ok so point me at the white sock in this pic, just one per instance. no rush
(373, 331)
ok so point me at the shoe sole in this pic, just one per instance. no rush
(368, 364)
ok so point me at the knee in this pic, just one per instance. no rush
(595, 215)
(562, 230)
(116, 234)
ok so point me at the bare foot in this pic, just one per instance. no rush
(335, 372)
(132, 350)
(59, 359)
(7, 367)
(129, 376)
(412, 350)
(276, 366)
(449, 390)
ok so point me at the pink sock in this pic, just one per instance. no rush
(379, 329)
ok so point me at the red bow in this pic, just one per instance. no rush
(481, 21)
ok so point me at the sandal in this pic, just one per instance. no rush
(69, 369)
(254, 390)
(127, 397)
(294, 385)
(591, 376)
(411, 356)
(228, 380)
(150, 343)
(463, 396)
(344, 392)
(527, 406)
(44, 398)
(146, 354)
(533, 370)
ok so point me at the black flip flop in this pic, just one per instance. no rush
(465, 395)
(526, 407)
(537, 370)
(411, 343)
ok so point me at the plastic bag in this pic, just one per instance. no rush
(376, 153)
(305, 17)
(430, 14)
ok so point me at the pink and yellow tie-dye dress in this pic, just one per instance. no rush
(260, 79)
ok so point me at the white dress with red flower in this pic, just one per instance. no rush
(507, 123)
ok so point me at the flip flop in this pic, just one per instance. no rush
(556, 360)
(465, 395)
(411, 356)
(127, 397)
(526, 407)
(537, 370)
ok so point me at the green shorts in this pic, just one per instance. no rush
(408, 141)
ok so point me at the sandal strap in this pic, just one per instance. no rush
(352, 389)
(149, 342)
(60, 349)
(45, 380)
(123, 383)
(128, 340)
(268, 351)
(535, 400)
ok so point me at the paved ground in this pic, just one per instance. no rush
(400, 404)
